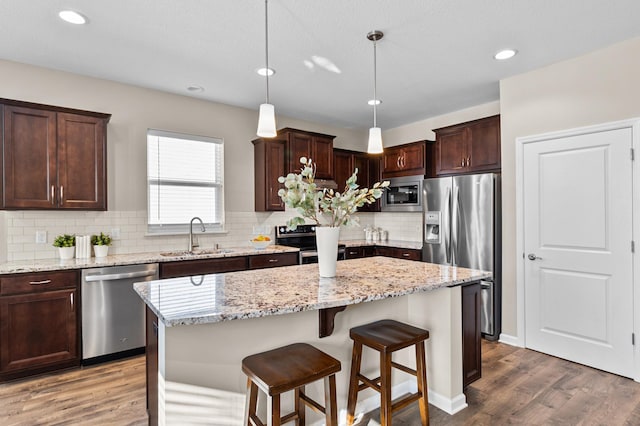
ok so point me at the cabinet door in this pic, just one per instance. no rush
(323, 157)
(81, 162)
(484, 146)
(361, 162)
(29, 155)
(451, 152)
(274, 168)
(343, 167)
(391, 162)
(299, 146)
(471, 345)
(38, 330)
(412, 159)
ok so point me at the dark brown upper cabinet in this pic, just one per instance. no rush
(405, 160)
(269, 166)
(345, 162)
(52, 157)
(468, 147)
(317, 146)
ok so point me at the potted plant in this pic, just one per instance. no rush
(328, 208)
(66, 245)
(101, 244)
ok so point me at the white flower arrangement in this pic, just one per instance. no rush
(325, 207)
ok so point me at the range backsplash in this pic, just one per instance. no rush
(21, 227)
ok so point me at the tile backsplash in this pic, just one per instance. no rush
(21, 228)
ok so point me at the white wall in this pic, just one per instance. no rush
(595, 88)
(423, 129)
(134, 110)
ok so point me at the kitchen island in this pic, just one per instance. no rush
(200, 328)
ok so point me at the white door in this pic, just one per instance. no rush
(577, 242)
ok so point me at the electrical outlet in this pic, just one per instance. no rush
(41, 237)
(115, 233)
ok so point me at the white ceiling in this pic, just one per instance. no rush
(436, 56)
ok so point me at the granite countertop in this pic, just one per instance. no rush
(41, 265)
(415, 245)
(258, 293)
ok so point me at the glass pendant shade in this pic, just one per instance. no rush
(375, 141)
(267, 121)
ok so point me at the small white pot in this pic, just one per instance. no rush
(66, 253)
(101, 251)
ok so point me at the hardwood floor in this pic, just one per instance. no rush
(518, 386)
(523, 387)
(106, 394)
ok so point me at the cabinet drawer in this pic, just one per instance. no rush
(42, 281)
(202, 266)
(272, 260)
(354, 252)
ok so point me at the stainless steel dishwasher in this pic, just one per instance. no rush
(112, 312)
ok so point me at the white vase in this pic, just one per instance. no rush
(327, 242)
(66, 253)
(101, 251)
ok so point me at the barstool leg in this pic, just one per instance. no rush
(299, 406)
(354, 382)
(385, 389)
(251, 402)
(421, 370)
(330, 404)
(273, 410)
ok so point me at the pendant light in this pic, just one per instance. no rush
(267, 117)
(375, 134)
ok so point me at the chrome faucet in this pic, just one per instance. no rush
(193, 243)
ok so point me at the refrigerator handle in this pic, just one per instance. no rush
(455, 206)
(447, 239)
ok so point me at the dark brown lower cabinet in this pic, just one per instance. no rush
(186, 268)
(152, 366)
(400, 253)
(39, 329)
(471, 345)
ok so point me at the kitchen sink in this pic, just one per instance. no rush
(179, 253)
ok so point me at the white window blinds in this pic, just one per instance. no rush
(185, 176)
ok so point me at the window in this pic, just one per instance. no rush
(184, 179)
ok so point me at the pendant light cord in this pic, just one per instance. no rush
(375, 79)
(266, 43)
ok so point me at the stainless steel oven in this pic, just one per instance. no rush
(404, 194)
(304, 238)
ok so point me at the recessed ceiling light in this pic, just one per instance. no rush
(505, 54)
(72, 17)
(374, 102)
(195, 89)
(266, 71)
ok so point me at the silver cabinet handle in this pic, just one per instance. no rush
(53, 194)
(39, 282)
(61, 194)
(71, 297)
(405, 254)
(273, 260)
(532, 256)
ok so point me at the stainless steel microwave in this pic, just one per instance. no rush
(404, 194)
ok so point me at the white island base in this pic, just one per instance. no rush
(200, 380)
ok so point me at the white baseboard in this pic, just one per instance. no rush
(511, 340)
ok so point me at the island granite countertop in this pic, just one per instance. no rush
(258, 293)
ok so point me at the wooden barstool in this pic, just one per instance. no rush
(386, 337)
(285, 369)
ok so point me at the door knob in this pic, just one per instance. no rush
(532, 256)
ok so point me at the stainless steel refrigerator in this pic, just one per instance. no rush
(462, 227)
